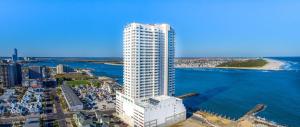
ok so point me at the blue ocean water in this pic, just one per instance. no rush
(229, 92)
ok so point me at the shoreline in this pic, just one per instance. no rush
(272, 64)
(115, 64)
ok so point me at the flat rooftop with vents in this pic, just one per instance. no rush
(71, 98)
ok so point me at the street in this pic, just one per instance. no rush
(60, 116)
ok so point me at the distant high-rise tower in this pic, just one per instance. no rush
(149, 74)
(148, 60)
(15, 55)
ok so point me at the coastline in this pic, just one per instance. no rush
(115, 64)
(271, 65)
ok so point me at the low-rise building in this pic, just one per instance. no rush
(31, 102)
(49, 83)
(82, 120)
(102, 118)
(71, 98)
(32, 83)
(155, 111)
(32, 122)
(8, 93)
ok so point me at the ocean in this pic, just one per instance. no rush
(228, 92)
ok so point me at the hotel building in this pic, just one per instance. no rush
(61, 69)
(149, 75)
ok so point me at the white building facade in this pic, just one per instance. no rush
(148, 60)
(149, 74)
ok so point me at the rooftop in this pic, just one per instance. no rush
(70, 96)
(153, 101)
(32, 122)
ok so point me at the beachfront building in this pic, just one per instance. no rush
(61, 69)
(146, 99)
(148, 60)
(73, 102)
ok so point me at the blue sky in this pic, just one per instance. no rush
(203, 27)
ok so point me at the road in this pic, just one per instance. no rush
(60, 116)
(49, 116)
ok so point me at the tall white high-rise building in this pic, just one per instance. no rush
(148, 60)
(149, 75)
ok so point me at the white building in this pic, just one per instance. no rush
(148, 60)
(60, 69)
(158, 111)
(149, 75)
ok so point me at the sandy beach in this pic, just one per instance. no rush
(271, 65)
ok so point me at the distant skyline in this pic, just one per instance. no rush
(204, 28)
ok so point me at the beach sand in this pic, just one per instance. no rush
(273, 65)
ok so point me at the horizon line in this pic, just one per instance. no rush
(122, 57)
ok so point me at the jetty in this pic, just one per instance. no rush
(256, 109)
(87, 71)
(202, 118)
(188, 95)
